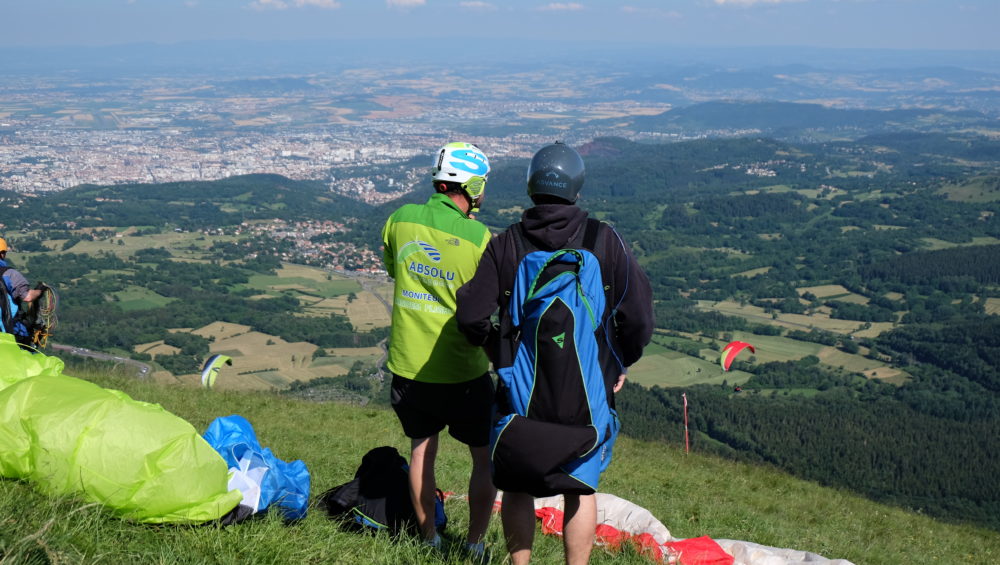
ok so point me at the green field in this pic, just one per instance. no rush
(806, 392)
(271, 284)
(309, 281)
(757, 315)
(833, 292)
(981, 189)
(137, 298)
(773, 348)
(935, 244)
(188, 245)
(663, 366)
(674, 369)
(347, 356)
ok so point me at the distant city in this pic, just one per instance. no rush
(57, 134)
(62, 129)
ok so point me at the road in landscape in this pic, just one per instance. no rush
(142, 369)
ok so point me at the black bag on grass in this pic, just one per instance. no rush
(378, 497)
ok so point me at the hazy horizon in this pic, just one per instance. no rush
(308, 56)
(453, 25)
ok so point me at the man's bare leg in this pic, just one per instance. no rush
(580, 522)
(518, 516)
(482, 493)
(423, 452)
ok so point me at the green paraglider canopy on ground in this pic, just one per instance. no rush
(71, 437)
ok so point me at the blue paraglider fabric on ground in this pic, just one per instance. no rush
(255, 468)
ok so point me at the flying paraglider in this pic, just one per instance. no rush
(211, 369)
(731, 350)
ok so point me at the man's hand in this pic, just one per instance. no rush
(620, 383)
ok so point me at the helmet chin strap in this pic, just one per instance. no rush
(474, 204)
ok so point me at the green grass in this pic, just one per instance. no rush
(980, 189)
(773, 348)
(808, 392)
(692, 495)
(663, 366)
(668, 368)
(675, 369)
(344, 360)
(137, 298)
(178, 243)
(272, 284)
(933, 244)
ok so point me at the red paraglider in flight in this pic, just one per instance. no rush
(731, 350)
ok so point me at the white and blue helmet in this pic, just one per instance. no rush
(464, 164)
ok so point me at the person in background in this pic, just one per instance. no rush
(19, 294)
(439, 380)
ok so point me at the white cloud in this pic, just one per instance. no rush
(653, 12)
(562, 7)
(752, 2)
(326, 4)
(268, 5)
(404, 3)
(475, 5)
(285, 4)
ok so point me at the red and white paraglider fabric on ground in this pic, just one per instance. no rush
(620, 521)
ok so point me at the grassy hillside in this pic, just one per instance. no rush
(692, 495)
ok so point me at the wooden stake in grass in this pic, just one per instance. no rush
(687, 442)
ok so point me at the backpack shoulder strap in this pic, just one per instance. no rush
(590, 234)
(593, 240)
(6, 302)
(522, 246)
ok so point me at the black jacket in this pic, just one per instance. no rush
(551, 227)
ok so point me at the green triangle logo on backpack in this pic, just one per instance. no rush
(559, 339)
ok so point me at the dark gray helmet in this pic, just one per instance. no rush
(556, 170)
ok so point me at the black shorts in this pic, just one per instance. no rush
(425, 409)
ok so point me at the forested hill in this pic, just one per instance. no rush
(798, 120)
(701, 168)
(188, 205)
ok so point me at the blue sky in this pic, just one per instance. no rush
(896, 24)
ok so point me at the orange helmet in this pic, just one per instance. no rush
(3, 245)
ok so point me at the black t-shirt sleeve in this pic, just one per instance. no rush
(478, 299)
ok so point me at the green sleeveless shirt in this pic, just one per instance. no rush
(431, 250)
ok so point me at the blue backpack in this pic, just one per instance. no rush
(556, 426)
(8, 307)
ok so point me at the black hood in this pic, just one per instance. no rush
(551, 226)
